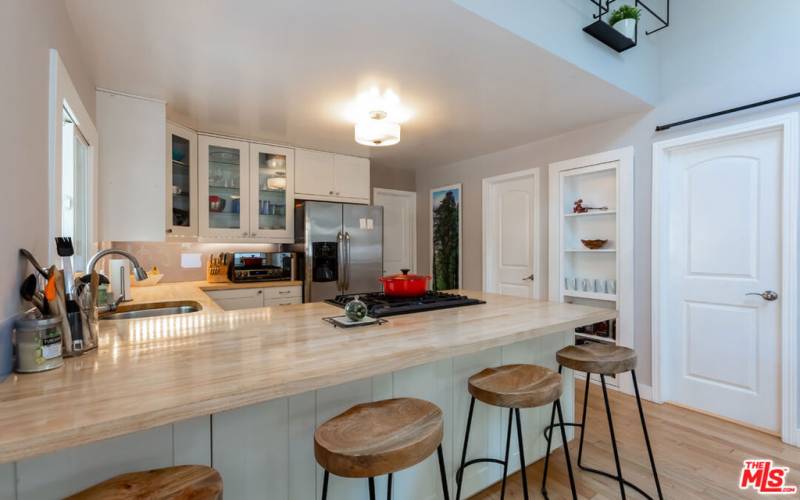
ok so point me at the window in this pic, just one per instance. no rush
(75, 188)
(72, 176)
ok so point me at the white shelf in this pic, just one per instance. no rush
(586, 250)
(611, 297)
(591, 213)
(607, 340)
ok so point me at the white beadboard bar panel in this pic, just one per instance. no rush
(68, 471)
(191, 440)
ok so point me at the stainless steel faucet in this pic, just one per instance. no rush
(138, 270)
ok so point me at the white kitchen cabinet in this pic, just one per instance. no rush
(182, 185)
(131, 181)
(351, 177)
(314, 173)
(250, 298)
(271, 192)
(331, 177)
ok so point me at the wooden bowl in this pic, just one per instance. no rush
(594, 244)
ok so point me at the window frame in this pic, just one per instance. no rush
(63, 94)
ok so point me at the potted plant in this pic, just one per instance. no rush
(624, 20)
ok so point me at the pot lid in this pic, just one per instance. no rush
(405, 276)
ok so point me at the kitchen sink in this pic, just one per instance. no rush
(153, 309)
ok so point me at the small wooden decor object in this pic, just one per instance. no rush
(594, 244)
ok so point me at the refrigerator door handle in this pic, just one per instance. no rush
(347, 250)
(340, 261)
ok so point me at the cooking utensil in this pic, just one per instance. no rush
(65, 250)
(35, 263)
(405, 285)
(72, 327)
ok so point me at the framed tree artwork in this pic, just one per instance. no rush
(446, 237)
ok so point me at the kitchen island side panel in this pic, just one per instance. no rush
(265, 451)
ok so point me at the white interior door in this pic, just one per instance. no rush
(399, 229)
(724, 243)
(509, 235)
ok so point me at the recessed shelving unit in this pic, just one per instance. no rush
(600, 277)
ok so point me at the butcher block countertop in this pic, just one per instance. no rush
(154, 371)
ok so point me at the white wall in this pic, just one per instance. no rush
(29, 29)
(715, 54)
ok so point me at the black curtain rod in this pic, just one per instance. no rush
(661, 128)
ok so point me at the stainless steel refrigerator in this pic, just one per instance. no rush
(342, 248)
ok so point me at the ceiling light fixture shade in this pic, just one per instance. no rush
(377, 130)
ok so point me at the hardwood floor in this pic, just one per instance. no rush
(698, 456)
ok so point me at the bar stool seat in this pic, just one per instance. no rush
(373, 439)
(184, 482)
(382, 437)
(596, 358)
(516, 386)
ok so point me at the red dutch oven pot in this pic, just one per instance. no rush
(404, 285)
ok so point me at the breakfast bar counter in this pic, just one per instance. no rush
(214, 373)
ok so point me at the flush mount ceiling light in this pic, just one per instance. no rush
(377, 118)
(377, 130)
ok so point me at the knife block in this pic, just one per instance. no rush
(216, 273)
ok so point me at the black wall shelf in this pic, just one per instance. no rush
(606, 34)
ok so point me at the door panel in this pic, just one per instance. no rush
(181, 181)
(271, 189)
(364, 227)
(399, 228)
(351, 177)
(725, 220)
(224, 193)
(324, 226)
(512, 255)
(314, 172)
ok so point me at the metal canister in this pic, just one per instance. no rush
(37, 344)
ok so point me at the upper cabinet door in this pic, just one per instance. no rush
(224, 187)
(181, 193)
(351, 177)
(271, 192)
(314, 173)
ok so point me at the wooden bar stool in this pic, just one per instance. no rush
(514, 387)
(382, 437)
(184, 482)
(603, 360)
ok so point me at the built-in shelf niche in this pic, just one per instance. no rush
(604, 183)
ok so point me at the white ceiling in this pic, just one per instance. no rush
(283, 70)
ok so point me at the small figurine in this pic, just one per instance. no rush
(578, 207)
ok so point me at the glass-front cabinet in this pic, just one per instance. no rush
(181, 161)
(271, 188)
(224, 188)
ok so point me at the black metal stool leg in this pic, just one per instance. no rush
(522, 464)
(547, 453)
(508, 446)
(460, 472)
(372, 488)
(613, 438)
(583, 418)
(389, 488)
(325, 485)
(443, 473)
(565, 445)
(646, 435)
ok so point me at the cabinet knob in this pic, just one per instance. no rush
(260, 292)
(330, 192)
(244, 233)
(169, 230)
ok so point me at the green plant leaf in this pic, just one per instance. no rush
(624, 12)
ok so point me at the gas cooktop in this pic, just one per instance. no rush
(379, 305)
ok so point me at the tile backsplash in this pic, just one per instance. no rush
(168, 256)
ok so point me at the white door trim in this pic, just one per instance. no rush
(788, 124)
(625, 254)
(413, 235)
(539, 290)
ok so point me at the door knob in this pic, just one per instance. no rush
(528, 278)
(767, 295)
